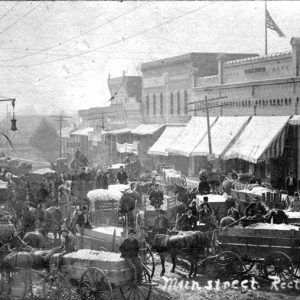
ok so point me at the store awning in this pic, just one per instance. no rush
(119, 131)
(191, 136)
(83, 131)
(294, 120)
(167, 137)
(263, 138)
(223, 134)
(145, 129)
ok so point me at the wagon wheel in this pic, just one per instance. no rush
(279, 264)
(228, 263)
(56, 286)
(248, 264)
(148, 260)
(94, 285)
(297, 272)
(137, 291)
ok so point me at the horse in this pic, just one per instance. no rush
(36, 239)
(227, 222)
(53, 219)
(26, 261)
(192, 245)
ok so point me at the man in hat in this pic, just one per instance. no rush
(81, 221)
(203, 187)
(277, 216)
(161, 223)
(130, 251)
(156, 197)
(255, 210)
(188, 221)
(101, 181)
(295, 203)
(291, 183)
(68, 241)
(122, 176)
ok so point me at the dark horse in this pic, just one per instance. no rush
(190, 244)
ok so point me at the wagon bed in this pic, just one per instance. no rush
(275, 247)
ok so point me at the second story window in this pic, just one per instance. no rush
(185, 102)
(147, 105)
(171, 104)
(154, 104)
(178, 103)
(161, 104)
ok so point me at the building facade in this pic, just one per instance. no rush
(266, 85)
(168, 85)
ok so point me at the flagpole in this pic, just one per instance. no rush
(266, 30)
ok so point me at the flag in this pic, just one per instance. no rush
(272, 25)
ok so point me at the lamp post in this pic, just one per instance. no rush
(13, 121)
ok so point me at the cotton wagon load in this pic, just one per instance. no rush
(172, 176)
(105, 204)
(108, 262)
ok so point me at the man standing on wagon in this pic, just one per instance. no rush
(130, 251)
(122, 176)
(291, 183)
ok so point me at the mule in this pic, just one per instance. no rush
(192, 245)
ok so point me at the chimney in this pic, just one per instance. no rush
(295, 43)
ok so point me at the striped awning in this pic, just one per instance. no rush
(263, 138)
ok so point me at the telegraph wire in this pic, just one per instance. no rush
(73, 38)
(30, 11)
(7, 12)
(109, 44)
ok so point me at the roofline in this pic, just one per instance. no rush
(183, 58)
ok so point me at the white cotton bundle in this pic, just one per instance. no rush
(274, 226)
(118, 187)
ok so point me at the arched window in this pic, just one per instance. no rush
(263, 103)
(274, 102)
(147, 105)
(281, 102)
(259, 102)
(171, 104)
(290, 101)
(286, 101)
(178, 103)
(185, 102)
(161, 100)
(249, 103)
(278, 102)
(154, 104)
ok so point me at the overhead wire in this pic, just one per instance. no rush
(22, 17)
(111, 43)
(8, 11)
(75, 37)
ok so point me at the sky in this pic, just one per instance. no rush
(57, 56)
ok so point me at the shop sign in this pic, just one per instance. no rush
(255, 70)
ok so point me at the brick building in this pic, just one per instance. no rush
(168, 84)
(266, 85)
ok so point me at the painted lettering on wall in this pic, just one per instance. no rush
(255, 70)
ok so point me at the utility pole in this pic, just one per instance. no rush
(61, 119)
(206, 109)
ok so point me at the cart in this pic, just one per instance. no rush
(95, 274)
(273, 249)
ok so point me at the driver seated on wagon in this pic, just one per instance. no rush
(187, 222)
(161, 223)
(255, 211)
(156, 197)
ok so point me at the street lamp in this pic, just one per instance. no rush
(13, 121)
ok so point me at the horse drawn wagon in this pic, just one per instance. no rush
(88, 273)
(273, 248)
